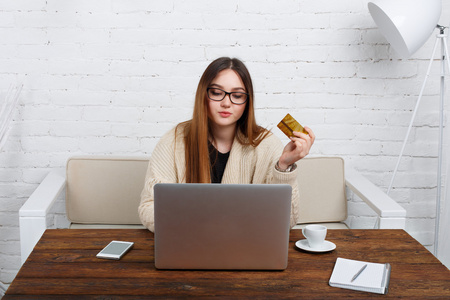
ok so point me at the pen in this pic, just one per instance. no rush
(358, 273)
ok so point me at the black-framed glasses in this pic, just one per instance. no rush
(216, 94)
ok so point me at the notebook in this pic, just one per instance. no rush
(222, 226)
(367, 276)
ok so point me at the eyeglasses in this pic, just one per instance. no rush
(216, 94)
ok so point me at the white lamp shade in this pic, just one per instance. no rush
(406, 24)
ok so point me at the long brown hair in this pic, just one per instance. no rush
(198, 129)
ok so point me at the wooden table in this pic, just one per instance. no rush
(63, 266)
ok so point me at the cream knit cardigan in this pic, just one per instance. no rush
(246, 164)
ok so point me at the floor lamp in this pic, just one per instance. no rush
(407, 25)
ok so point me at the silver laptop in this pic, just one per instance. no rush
(222, 226)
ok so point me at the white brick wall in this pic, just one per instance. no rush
(111, 76)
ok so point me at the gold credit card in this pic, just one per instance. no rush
(288, 125)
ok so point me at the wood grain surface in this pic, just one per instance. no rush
(63, 266)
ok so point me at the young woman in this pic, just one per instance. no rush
(222, 142)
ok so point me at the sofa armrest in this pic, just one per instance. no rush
(33, 214)
(391, 214)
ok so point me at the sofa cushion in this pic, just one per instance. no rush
(321, 184)
(104, 189)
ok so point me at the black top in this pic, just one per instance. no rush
(218, 163)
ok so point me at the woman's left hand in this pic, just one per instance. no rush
(297, 148)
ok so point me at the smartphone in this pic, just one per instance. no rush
(288, 125)
(115, 250)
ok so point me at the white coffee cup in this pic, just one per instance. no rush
(315, 234)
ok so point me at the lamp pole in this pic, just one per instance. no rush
(444, 57)
(441, 37)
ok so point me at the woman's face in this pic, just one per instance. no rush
(225, 114)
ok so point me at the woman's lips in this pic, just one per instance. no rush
(224, 114)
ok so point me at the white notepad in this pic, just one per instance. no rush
(374, 278)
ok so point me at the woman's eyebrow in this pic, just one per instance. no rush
(215, 85)
(221, 87)
(239, 88)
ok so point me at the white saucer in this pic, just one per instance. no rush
(326, 246)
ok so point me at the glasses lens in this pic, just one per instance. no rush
(238, 98)
(216, 94)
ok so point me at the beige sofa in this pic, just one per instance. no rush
(104, 192)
